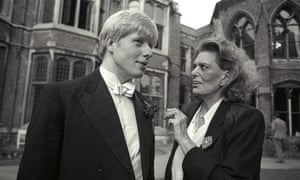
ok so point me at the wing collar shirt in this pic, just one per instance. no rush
(196, 136)
(126, 113)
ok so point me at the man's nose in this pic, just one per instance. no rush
(147, 50)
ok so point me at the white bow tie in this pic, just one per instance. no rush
(127, 89)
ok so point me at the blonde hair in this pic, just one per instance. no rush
(124, 23)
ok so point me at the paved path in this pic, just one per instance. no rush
(271, 170)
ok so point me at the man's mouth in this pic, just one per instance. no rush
(142, 63)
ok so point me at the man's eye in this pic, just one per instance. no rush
(138, 42)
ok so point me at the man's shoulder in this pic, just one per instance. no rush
(74, 85)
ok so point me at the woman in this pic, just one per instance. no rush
(217, 136)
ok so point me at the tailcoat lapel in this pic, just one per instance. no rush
(99, 107)
(145, 132)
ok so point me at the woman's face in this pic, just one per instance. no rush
(207, 76)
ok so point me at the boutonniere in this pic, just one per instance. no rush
(207, 141)
(150, 109)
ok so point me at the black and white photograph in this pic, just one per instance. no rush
(149, 89)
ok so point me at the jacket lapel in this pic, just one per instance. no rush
(99, 107)
(216, 125)
(145, 132)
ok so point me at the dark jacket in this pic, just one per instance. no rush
(75, 134)
(237, 133)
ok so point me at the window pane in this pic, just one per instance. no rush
(85, 16)
(79, 69)
(280, 100)
(249, 51)
(286, 38)
(160, 30)
(69, 10)
(156, 86)
(145, 84)
(149, 9)
(159, 115)
(37, 88)
(241, 22)
(1, 6)
(62, 69)
(183, 58)
(40, 69)
(134, 5)
(4, 7)
(46, 11)
(284, 13)
(242, 33)
(2, 60)
(235, 36)
(160, 15)
(294, 40)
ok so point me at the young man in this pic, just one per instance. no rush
(279, 130)
(94, 127)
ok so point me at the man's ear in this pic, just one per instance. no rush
(109, 45)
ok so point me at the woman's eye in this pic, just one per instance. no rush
(203, 67)
(194, 66)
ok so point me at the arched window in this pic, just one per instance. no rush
(62, 69)
(79, 69)
(242, 33)
(286, 34)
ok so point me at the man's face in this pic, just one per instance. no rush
(130, 55)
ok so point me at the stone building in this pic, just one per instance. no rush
(44, 41)
(269, 31)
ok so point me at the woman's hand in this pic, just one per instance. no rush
(179, 121)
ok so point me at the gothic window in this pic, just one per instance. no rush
(242, 33)
(286, 34)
